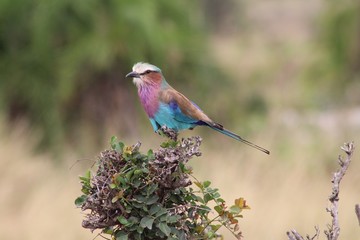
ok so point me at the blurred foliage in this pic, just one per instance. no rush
(56, 55)
(62, 62)
(150, 196)
(336, 70)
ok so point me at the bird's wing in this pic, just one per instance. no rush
(184, 110)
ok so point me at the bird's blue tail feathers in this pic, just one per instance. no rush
(222, 130)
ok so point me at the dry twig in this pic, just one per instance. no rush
(294, 235)
(333, 231)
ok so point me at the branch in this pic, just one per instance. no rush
(294, 235)
(333, 231)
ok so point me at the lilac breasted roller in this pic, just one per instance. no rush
(167, 107)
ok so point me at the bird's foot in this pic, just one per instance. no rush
(168, 132)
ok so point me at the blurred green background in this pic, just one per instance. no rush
(283, 74)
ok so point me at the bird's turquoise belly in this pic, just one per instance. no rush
(170, 117)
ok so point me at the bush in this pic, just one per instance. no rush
(133, 195)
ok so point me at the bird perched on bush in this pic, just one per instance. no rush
(167, 107)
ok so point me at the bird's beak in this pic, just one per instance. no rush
(133, 75)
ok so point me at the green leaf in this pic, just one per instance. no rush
(173, 143)
(113, 141)
(121, 179)
(164, 228)
(112, 185)
(83, 179)
(169, 144)
(151, 189)
(150, 154)
(122, 220)
(206, 184)
(140, 229)
(154, 209)
(173, 218)
(108, 230)
(182, 167)
(137, 182)
(137, 204)
(129, 174)
(115, 145)
(216, 195)
(210, 234)
(120, 147)
(199, 199)
(140, 198)
(133, 220)
(234, 209)
(128, 208)
(121, 235)
(219, 209)
(208, 197)
(204, 209)
(85, 190)
(88, 174)
(215, 227)
(147, 222)
(80, 200)
(162, 211)
(151, 200)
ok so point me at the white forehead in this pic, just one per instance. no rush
(141, 67)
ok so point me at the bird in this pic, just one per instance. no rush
(165, 106)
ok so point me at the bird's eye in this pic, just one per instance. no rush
(146, 72)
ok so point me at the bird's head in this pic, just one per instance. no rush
(145, 74)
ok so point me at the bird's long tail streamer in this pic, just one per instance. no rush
(237, 137)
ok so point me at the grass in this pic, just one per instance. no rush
(36, 195)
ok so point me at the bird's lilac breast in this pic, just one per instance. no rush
(149, 100)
